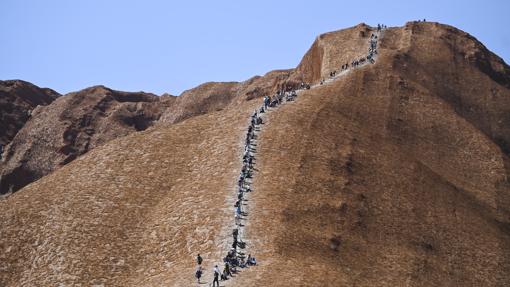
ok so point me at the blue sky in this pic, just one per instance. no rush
(170, 46)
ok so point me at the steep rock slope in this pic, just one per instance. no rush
(332, 50)
(413, 186)
(215, 96)
(203, 99)
(72, 125)
(132, 212)
(328, 52)
(17, 100)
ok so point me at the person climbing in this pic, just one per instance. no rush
(235, 233)
(242, 263)
(267, 101)
(216, 276)
(227, 269)
(225, 274)
(234, 244)
(198, 273)
(237, 219)
(199, 259)
(238, 210)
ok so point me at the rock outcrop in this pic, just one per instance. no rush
(17, 100)
(402, 164)
(71, 126)
(327, 52)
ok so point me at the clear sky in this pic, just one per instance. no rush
(171, 46)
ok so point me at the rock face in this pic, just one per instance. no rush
(405, 162)
(215, 96)
(72, 125)
(328, 52)
(338, 47)
(332, 50)
(403, 165)
(17, 100)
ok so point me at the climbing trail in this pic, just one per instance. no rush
(238, 257)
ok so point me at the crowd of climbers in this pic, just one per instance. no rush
(369, 58)
(236, 258)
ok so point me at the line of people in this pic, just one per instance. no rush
(372, 52)
(236, 259)
(381, 27)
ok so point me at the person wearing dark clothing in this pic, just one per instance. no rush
(216, 276)
(227, 270)
(198, 274)
(199, 259)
